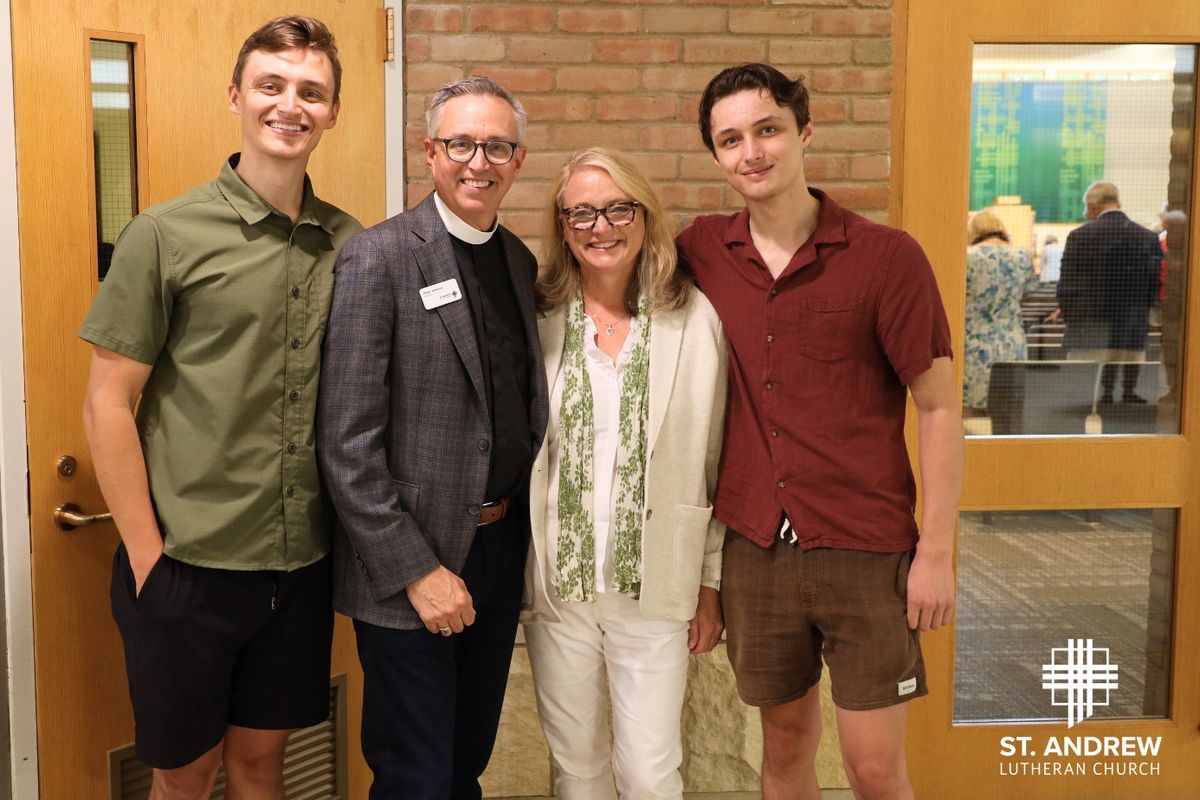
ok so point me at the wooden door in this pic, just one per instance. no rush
(936, 44)
(183, 54)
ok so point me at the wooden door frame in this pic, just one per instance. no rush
(896, 123)
(14, 503)
(393, 116)
(918, 118)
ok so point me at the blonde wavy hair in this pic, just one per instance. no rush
(985, 225)
(657, 276)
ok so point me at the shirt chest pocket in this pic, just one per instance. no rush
(830, 329)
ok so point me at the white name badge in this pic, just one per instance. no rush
(440, 294)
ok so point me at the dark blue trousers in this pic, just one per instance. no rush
(431, 704)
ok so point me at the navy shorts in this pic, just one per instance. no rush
(208, 648)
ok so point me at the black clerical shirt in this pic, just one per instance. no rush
(503, 352)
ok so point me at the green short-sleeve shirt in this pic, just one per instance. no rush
(227, 300)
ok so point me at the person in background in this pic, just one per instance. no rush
(623, 574)
(998, 276)
(1050, 263)
(1110, 281)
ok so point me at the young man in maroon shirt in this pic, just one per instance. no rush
(831, 320)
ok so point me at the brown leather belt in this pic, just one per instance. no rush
(493, 511)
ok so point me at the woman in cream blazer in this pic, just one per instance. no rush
(624, 567)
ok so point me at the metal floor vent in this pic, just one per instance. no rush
(314, 764)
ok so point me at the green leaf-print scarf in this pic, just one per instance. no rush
(575, 579)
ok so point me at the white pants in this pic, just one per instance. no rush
(646, 665)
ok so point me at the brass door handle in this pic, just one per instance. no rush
(69, 516)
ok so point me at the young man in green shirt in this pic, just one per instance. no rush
(212, 313)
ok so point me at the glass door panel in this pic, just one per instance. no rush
(114, 143)
(1077, 239)
(1030, 581)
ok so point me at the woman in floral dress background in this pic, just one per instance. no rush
(998, 275)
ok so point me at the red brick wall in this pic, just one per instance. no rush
(628, 75)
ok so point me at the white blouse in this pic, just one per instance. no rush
(606, 379)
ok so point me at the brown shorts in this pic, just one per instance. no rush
(785, 606)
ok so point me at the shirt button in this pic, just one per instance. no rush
(291, 448)
(295, 291)
(774, 433)
(293, 395)
(295, 343)
(782, 484)
(291, 491)
(770, 338)
(768, 386)
(473, 509)
(483, 445)
(774, 291)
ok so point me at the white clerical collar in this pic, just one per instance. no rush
(460, 228)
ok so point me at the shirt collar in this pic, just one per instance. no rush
(253, 209)
(459, 228)
(831, 223)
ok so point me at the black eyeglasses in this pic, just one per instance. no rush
(463, 150)
(618, 214)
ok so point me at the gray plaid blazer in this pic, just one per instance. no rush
(402, 420)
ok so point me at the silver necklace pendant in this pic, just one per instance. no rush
(609, 327)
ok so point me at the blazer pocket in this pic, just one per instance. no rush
(690, 533)
(409, 494)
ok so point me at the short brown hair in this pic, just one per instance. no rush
(657, 277)
(786, 93)
(287, 33)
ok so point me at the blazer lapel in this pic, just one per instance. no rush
(434, 255)
(552, 330)
(520, 268)
(666, 339)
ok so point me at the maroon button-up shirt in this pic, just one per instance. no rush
(819, 360)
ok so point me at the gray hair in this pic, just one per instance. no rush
(476, 85)
(1101, 193)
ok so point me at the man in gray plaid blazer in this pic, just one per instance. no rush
(432, 405)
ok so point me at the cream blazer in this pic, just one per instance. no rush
(681, 542)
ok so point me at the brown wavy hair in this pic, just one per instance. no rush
(657, 276)
(786, 93)
(285, 33)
